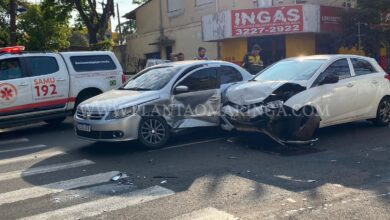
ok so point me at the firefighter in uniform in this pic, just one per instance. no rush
(252, 61)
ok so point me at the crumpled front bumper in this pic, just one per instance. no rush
(284, 125)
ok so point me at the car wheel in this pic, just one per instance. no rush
(55, 121)
(383, 114)
(153, 132)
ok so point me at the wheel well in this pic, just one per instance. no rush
(88, 92)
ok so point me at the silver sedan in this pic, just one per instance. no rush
(158, 101)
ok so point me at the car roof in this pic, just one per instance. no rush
(195, 62)
(328, 57)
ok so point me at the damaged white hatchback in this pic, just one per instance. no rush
(158, 101)
(289, 100)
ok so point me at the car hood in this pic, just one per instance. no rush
(254, 92)
(117, 99)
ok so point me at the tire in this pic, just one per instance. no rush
(55, 121)
(153, 132)
(84, 96)
(383, 114)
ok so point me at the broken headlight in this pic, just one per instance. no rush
(275, 104)
(122, 113)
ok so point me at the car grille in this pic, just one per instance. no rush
(100, 135)
(90, 115)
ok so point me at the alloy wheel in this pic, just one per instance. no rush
(153, 131)
(384, 111)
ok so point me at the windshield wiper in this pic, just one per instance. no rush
(135, 89)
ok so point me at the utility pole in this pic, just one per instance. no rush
(12, 29)
(119, 24)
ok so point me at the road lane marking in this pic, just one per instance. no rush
(14, 141)
(23, 148)
(33, 156)
(39, 191)
(209, 213)
(97, 207)
(44, 169)
(188, 144)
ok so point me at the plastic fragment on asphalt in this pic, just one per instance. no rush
(116, 177)
(312, 181)
(290, 200)
(333, 161)
(164, 182)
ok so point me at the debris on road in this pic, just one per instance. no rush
(117, 177)
(290, 200)
(312, 181)
(165, 177)
(232, 158)
(164, 182)
(333, 161)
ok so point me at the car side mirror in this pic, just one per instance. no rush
(330, 79)
(181, 89)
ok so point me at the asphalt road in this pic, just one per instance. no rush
(47, 173)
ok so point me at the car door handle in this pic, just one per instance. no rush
(350, 85)
(23, 84)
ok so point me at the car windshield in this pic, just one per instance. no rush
(151, 79)
(291, 70)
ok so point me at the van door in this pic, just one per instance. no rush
(49, 80)
(199, 104)
(15, 88)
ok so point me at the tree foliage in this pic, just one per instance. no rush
(96, 22)
(368, 15)
(4, 26)
(45, 26)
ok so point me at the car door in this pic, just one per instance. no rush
(49, 80)
(200, 105)
(338, 101)
(15, 88)
(368, 85)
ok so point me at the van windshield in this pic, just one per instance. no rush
(151, 79)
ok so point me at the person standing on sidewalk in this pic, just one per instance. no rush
(201, 54)
(252, 61)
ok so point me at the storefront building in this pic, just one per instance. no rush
(282, 32)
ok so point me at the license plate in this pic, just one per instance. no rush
(84, 127)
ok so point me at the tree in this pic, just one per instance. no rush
(78, 39)
(367, 17)
(4, 25)
(96, 23)
(45, 26)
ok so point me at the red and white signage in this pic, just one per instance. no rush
(267, 21)
(330, 19)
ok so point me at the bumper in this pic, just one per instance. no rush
(124, 129)
(288, 128)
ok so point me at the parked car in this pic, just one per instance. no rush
(157, 101)
(47, 87)
(289, 100)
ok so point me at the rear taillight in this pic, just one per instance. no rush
(387, 76)
(123, 78)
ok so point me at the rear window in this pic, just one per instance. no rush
(92, 63)
(42, 65)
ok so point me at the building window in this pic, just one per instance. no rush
(175, 7)
(350, 4)
(200, 3)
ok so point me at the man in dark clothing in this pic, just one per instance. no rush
(252, 61)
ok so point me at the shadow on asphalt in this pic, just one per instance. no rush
(257, 158)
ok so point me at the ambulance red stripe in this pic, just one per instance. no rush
(37, 105)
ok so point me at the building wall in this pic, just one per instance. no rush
(300, 44)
